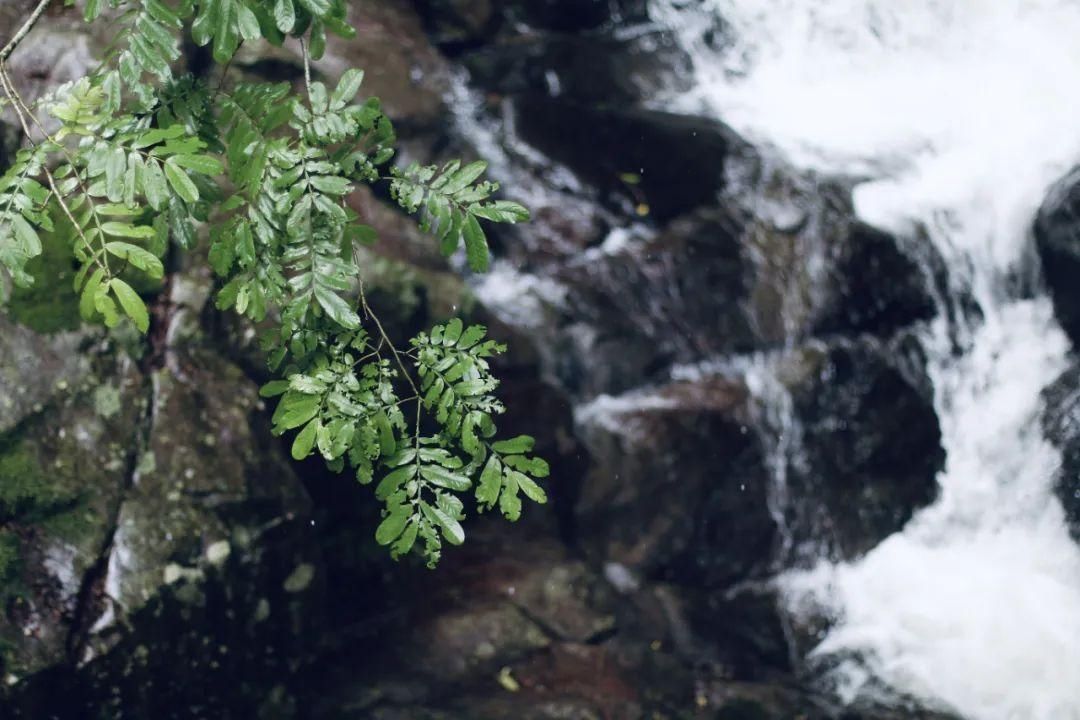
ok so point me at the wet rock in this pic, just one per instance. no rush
(1061, 424)
(881, 287)
(457, 23)
(648, 303)
(36, 368)
(62, 475)
(201, 457)
(678, 484)
(573, 15)
(596, 70)
(870, 446)
(665, 164)
(152, 510)
(1057, 239)
(782, 259)
(813, 267)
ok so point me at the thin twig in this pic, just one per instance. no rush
(225, 70)
(20, 107)
(389, 342)
(24, 30)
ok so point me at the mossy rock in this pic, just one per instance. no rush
(62, 473)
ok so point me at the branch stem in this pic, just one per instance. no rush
(27, 26)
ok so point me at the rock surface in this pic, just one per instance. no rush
(681, 302)
(870, 449)
(1061, 423)
(1057, 239)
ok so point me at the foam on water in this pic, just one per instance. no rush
(959, 114)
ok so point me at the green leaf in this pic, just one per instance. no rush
(318, 98)
(317, 8)
(117, 210)
(444, 478)
(487, 491)
(295, 409)
(154, 187)
(463, 177)
(392, 526)
(533, 491)
(514, 446)
(163, 14)
(336, 308)
(387, 444)
(390, 484)
(305, 440)
(405, 543)
(139, 257)
(92, 10)
(274, 388)
(476, 248)
(27, 236)
(330, 184)
(347, 88)
(509, 502)
(502, 211)
(452, 331)
(470, 442)
(87, 300)
(119, 229)
(451, 528)
(158, 135)
(246, 21)
(105, 305)
(204, 164)
(115, 168)
(180, 182)
(284, 15)
(132, 304)
(317, 47)
(537, 467)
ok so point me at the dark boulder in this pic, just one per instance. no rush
(679, 488)
(880, 287)
(870, 446)
(661, 163)
(617, 70)
(783, 259)
(462, 23)
(1057, 239)
(1061, 424)
(678, 296)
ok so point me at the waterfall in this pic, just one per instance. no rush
(958, 114)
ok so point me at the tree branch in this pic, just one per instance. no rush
(24, 30)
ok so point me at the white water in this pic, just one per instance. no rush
(960, 113)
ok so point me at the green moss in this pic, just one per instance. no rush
(23, 488)
(50, 304)
(107, 400)
(26, 493)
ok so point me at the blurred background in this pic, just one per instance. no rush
(745, 389)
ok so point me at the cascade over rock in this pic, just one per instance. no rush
(1061, 422)
(1057, 238)
(871, 445)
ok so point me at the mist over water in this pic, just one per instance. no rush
(958, 115)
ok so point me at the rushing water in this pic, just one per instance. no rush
(959, 113)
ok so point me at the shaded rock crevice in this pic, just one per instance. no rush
(92, 598)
